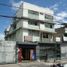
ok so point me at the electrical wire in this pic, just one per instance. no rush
(3, 4)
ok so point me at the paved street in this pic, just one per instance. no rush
(31, 64)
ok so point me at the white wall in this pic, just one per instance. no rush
(42, 26)
(25, 23)
(41, 17)
(25, 12)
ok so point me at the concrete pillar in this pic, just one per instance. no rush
(37, 53)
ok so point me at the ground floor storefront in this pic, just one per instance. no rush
(38, 51)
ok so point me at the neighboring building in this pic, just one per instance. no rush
(61, 37)
(35, 31)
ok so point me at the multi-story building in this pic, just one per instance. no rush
(35, 27)
(61, 37)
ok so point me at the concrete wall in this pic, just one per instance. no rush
(7, 52)
(19, 12)
(19, 24)
(19, 35)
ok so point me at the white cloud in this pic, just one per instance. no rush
(54, 7)
(60, 18)
(1, 36)
(62, 14)
(16, 5)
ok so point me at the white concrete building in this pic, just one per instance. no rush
(37, 26)
(34, 32)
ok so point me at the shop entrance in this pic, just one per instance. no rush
(26, 53)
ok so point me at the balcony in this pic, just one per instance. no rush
(33, 27)
(47, 40)
(49, 30)
(49, 21)
(33, 16)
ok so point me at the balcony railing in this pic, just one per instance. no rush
(47, 40)
(49, 20)
(50, 30)
(32, 16)
(37, 39)
(33, 27)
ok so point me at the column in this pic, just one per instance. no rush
(37, 53)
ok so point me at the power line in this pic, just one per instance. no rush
(3, 4)
(15, 17)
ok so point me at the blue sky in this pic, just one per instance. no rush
(58, 6)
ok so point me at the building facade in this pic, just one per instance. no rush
(61, 37)
(35, 31)
(61, 34)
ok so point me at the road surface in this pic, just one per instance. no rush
(31, 64)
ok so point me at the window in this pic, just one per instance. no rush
(41, 13)
(48, 25)
(32, 22)
(45, 35)
(48, 16)
(33, 12)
